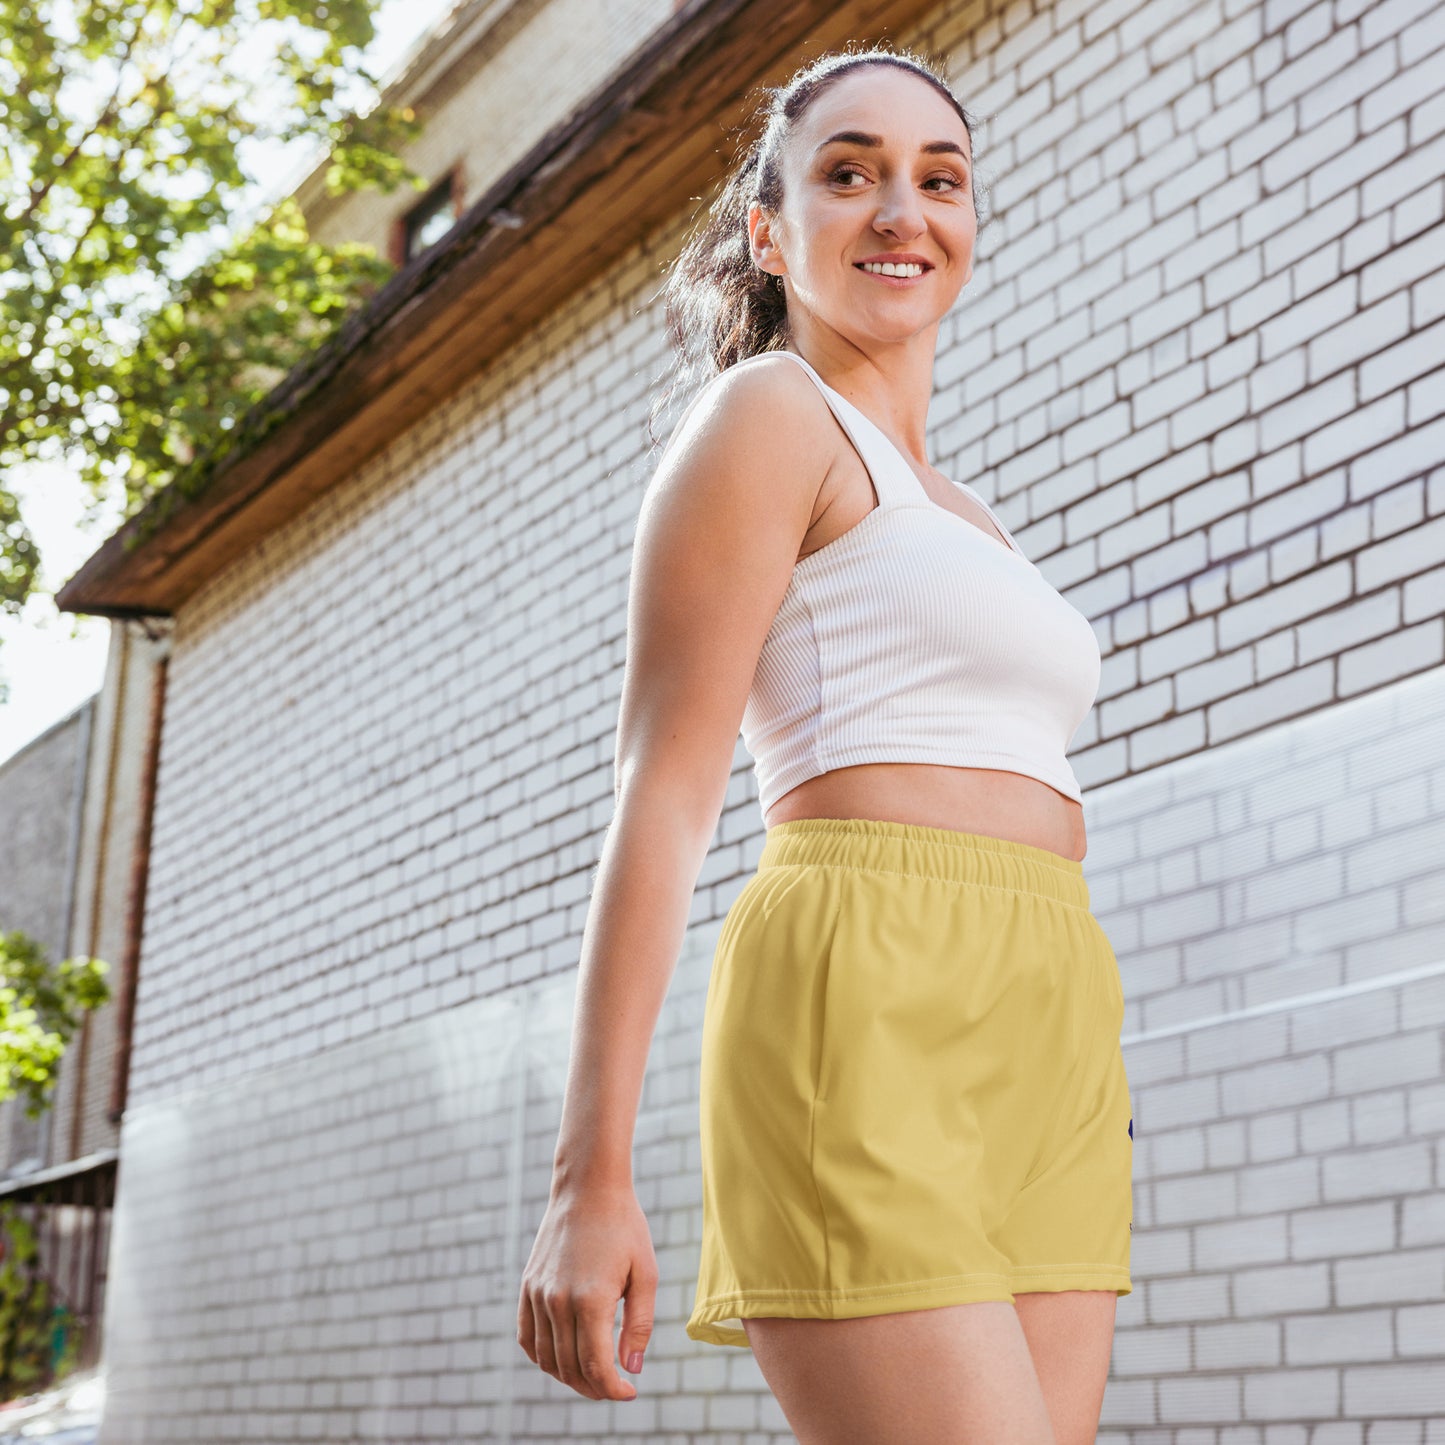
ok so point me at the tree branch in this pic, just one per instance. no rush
(39, 193)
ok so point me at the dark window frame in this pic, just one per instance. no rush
(446, 195)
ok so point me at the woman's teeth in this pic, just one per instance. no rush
(893, 268)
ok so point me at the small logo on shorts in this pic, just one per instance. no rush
(1131, 1126)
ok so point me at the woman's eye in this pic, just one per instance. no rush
(839, 172)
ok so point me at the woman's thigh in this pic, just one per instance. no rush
(948, 1375)
(1071, 1337)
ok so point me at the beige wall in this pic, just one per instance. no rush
(532, 68)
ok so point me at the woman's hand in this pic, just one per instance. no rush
(592, 1249)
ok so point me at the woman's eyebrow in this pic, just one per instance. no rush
(863, 138)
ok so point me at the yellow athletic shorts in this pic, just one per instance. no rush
(912, 1087)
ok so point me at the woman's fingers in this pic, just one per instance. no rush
(564, 1333)
(527, 1325)
(544, 1336)
(592, 1335)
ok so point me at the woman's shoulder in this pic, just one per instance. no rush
(769, 392)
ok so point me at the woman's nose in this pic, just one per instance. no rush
(900, 212)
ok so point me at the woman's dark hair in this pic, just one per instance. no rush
(719, 306)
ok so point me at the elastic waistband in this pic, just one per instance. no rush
(876, 845)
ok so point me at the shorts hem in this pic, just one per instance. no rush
(1042, 1278)
(837, 1304)
(704, 1323)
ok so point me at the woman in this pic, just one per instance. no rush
(916, 1125)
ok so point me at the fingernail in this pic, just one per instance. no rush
(634, 1362)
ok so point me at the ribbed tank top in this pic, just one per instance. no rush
(915, 637)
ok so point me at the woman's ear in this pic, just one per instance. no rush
(766, 255)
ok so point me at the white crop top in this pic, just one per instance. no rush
(916, 637)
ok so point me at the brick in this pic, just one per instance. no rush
(1226, 1144)
(1343, 1229)
(1295, 1394)
(1397, 96)
(1395, 1389)
(1344, 1020)
(1237, 1345)
(1378, 1118)
(1380, 421)
(1194, 1197)
(1420, 1330)
(1219, 677)
(1282, 1289)
(1409, 262)
(1271, 702)
(1390, 1278)
(1293, 602)
(1166, 1106)
(1157, 1252)
(1425, 1104)
(1260, 1240)
(1198, 1297)
(1395, 366)
(1422, 1220)
(1153, 1351)
(1288, 1184)
(1379, 22)
(1345, 1337)
(1372, 1173)
(1179, 1151)
(1274, 1135)
(1128, 1402)
(1290, 1081)
(1210, 1398)
(1390, 183)
(1236, 1043)
(1377, 1064)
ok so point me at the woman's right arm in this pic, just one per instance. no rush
(719, 531)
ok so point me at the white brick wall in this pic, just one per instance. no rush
(1275, 908)
(1198, 368)
(332, 1248)
(1195, 372)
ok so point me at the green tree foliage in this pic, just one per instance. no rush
(31, 1313)
(142, 313)
(40, 1008)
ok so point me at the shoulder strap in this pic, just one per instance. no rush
(894, 480)
(997, 521)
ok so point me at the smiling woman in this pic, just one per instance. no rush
(722, 304)
(915, 1122)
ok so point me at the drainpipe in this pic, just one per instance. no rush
(98, 888)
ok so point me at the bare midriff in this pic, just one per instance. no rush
(969, 800)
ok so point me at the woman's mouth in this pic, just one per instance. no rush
(894, 273)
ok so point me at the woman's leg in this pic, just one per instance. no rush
(1071, 1336)
(948, 1375)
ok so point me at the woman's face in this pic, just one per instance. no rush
(878, 167)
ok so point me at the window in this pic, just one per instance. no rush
(429, 220)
